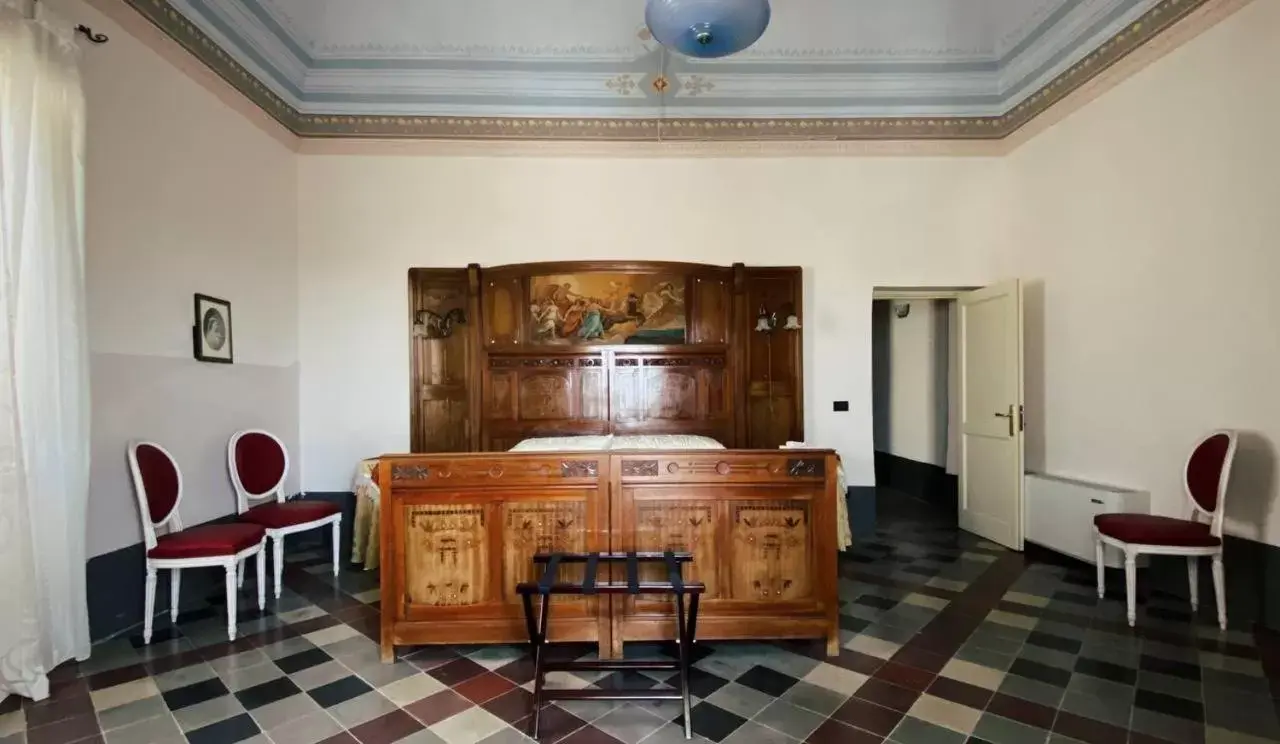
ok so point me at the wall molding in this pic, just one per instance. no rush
(963, 131)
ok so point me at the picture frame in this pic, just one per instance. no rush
(211, 334)
(581, 308)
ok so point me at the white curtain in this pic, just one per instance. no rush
(44, 385)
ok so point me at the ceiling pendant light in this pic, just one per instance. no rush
(707, 28)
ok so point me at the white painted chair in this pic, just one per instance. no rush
(1205, 478)
(158, 484)
(259, 462)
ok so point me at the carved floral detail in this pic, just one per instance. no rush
(807, 468)
(579, 468)
(639, 468)
(623, 85)
(544, 362)
(410, 472)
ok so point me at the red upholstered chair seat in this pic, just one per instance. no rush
(289, 513)
(209, 540)
(1148, 529)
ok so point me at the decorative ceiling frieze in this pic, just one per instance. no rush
(657, 97)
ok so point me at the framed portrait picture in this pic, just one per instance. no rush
(211, 333)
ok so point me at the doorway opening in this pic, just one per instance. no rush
(947, 392)
(915, 401)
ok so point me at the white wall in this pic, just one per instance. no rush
(183, 195)
(853, 223)
(911, 388)
(1151, 222)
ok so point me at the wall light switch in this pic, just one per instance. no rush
(840, 405)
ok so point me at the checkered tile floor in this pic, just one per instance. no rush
(946, 639)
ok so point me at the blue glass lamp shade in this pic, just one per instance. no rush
(707, 28)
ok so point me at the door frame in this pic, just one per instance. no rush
(954, 293)
(922, 293)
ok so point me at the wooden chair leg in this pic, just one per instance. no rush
(1131, 585)
(1220, 590)
(1193, 581)
(149, 610)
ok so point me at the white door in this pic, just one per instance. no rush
(991, 413)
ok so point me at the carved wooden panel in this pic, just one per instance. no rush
(546, 395)
(770, 550)
(628, 393)
(502, 396)
(503, 309)
(772, 366)
(671, 393)
(713, 308)
(593, 401)
(679, 525)
(441, 360)
(446, 555)
(531, 527)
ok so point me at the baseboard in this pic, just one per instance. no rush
(116, 581)
(922, 480)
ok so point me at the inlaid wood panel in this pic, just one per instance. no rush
(663, 524)
(504, 305)
(446, 555)
(531, 527)
(771, 550)
(712, 308)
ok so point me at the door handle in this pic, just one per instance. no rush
(1009, 417)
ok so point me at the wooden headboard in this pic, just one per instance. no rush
(553, 349)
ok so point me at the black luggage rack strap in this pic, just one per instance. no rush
(548, 585)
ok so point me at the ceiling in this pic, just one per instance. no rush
(588, 68)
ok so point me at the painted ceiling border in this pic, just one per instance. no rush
(354, 126)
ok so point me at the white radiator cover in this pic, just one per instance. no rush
(1060, 511)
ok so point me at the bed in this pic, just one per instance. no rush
(459, 531)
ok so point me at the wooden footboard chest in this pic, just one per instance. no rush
(459, 532)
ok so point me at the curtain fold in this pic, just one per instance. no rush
(44, 385)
